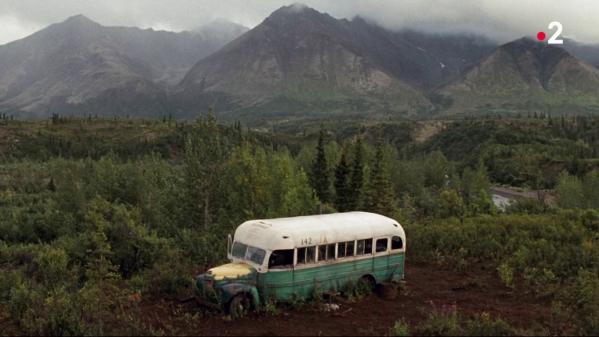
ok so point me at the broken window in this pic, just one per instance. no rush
(281, 259)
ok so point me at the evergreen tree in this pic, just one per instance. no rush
(204, 158)
(342, 185)
(320, 173)
(357, 177)
(379, 194)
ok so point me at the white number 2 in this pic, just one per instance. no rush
(554, 38)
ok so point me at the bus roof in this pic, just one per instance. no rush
(302, 231)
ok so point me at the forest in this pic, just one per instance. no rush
(99, 216)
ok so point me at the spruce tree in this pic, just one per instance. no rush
(342, 187)
(379, 194)
(320, 173)
(357, 177)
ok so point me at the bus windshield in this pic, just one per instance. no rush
(248, 253)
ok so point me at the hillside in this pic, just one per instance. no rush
(302, 61)
(526, 76)
(81, 67)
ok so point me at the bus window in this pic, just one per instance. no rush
(396, 243)
(311, 254)
(239, 250)
(301, 255)
(306, 255)
(322, 253)
(368, 247)
(349, 251)
(281, 259)
(326, 252)
(341, 249)
(331, 251)
(255, 255)
(381, 245)
(360, 247)
(364, 247)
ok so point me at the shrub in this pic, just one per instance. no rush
(506, 274)
(400, 328)
(441, 322)
(485, 325)
(51, 266)
(58, 315)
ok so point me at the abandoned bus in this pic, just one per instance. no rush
(292, 258)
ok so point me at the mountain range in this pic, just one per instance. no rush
(297, 62)
(80, 66)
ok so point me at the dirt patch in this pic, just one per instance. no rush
(427, 130)
(475, 291)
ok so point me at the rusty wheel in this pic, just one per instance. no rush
(240, 306)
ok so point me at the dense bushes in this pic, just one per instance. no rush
(89, 229)
(555, 255)
(447, 321)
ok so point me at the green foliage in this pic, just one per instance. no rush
(573, 192)
(320, 171)
(97, 215)
(451, 204)
(506, 274)
(569, 191)
(379, 192)
(356, 183)
(579, 300)
(400, 329)
(342, 185)
(441, 322)
(484, 325)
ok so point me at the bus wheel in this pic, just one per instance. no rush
(366, 284)
(239, 306)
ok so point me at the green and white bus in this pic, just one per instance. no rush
(292, 258)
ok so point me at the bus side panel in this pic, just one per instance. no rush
(396, 268)
(276, 285)
(301, 283)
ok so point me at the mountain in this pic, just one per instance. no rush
(525, 75)
(219, 32)
(79, 66)
(299, 60)
(587, 52)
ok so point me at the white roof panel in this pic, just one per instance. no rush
(301, 231)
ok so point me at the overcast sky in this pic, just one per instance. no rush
(502, 20)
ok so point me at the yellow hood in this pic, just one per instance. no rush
(230, 270)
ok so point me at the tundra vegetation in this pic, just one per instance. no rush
(99, 215)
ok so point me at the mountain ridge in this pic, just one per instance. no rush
(296, 62)
(522, 75)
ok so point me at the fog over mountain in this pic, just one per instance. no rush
(82, 67)
(501, 20)
(298, 61)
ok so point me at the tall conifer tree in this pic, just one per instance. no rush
(320, 172)
(342, 185)
(357, 177)
(379, 194)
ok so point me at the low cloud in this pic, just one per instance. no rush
(501, 20)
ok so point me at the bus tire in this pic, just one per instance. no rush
(367, 282)
(239, 306)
